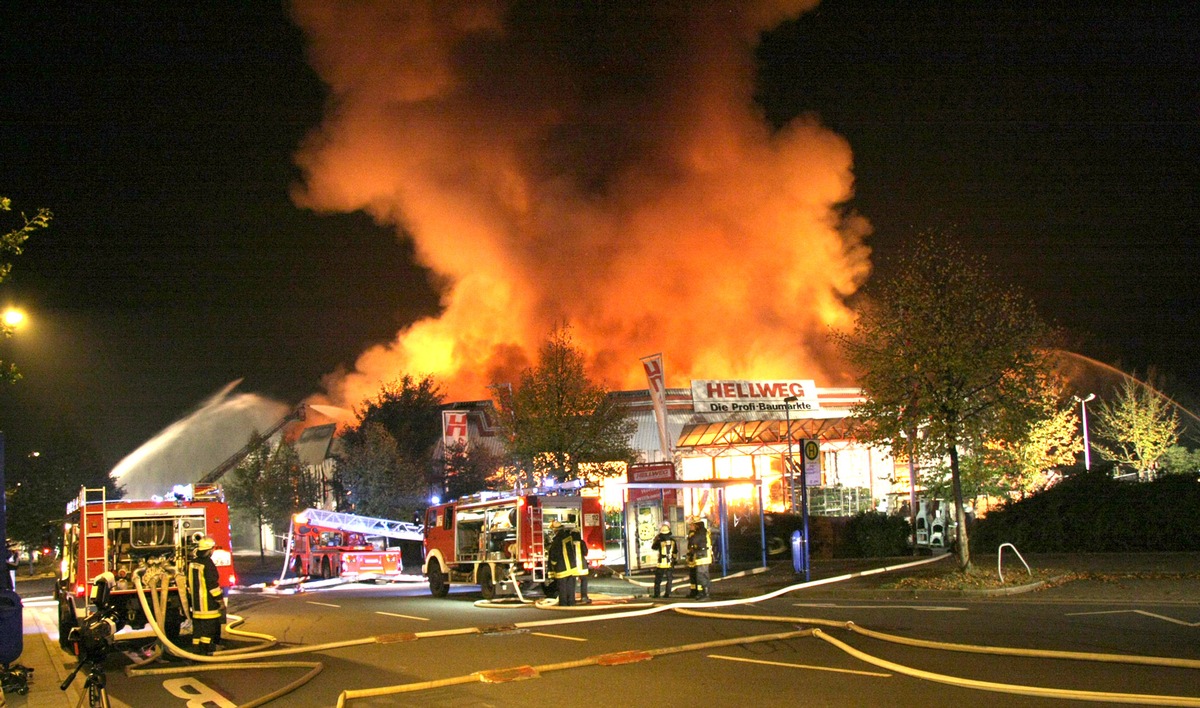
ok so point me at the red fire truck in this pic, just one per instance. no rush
(496, 540)
(121, 536)
(329, 544)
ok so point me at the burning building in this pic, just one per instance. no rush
(598, 164)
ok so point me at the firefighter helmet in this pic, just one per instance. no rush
(555, 525)
(205, 544)
(665, 528)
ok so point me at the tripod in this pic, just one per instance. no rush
(94, 686)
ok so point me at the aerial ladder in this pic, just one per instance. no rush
(236, 458)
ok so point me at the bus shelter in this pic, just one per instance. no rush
(649, 504)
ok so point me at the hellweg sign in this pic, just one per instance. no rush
(740, 396)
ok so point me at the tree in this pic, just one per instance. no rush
(376, 478)
(1137, 428)
(41, 483)
(410, 410)
(1179, 460)
(1018, 467)
(11, 244)
(945, 350)
(271, 486)
(557, 419)
(248, 488)
(392, 448)
(470, 469)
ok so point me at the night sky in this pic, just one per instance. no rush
(1061, 144)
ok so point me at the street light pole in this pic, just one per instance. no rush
(1087, 448)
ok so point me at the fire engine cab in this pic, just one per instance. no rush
(122, 536)
(497, 540)
(328, 544)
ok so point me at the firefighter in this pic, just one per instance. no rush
(664, 543)
(206, 598)
(699, 556)
(564, 565)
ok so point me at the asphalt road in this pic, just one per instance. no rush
(695, 668)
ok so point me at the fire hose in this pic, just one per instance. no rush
(692, 609)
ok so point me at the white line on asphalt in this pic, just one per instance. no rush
(410, 617)
(558, 636)
(921, 608)
(1138, 612)
(326, 604)
(799, 666)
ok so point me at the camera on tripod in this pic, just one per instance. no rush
(93, 639)
(94, 636)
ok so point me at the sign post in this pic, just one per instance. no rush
(811, 450)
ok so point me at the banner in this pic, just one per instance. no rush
(656, 378)
(454, 429)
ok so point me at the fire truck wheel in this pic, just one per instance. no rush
(487, 584)
(66, 621)
(326, 571)
(438, 587)
(298, 567)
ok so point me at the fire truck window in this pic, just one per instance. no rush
(448, 519)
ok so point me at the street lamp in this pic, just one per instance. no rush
(13, 318)
(1087, 450)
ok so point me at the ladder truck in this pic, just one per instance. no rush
(330, 544)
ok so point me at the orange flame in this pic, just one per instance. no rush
(605, 168)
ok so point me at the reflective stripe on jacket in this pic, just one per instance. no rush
(699, 548)
(564, 556)
(664, 543)
(204, 589)
(581, 564)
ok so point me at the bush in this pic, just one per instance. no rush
(871, 534)
(1093, 513)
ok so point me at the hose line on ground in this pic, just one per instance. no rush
(1014, 689)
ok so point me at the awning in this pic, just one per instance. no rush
(760, 433)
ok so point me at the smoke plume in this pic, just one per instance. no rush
(600, 164)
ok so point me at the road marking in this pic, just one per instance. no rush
(197, 694)
(558, 636)
(1138, 612)
(919, 608)
(799, 666)
(409, 617)
(324, 604)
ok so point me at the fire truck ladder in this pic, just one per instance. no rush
(364, 524)
(537, 542)
(92, 504)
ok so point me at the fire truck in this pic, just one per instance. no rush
(121, 536)
(497, 540)
(328, 544)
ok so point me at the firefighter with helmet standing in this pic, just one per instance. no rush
(664, 543)
(699, 556)
(564, 562)
(205, 597)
